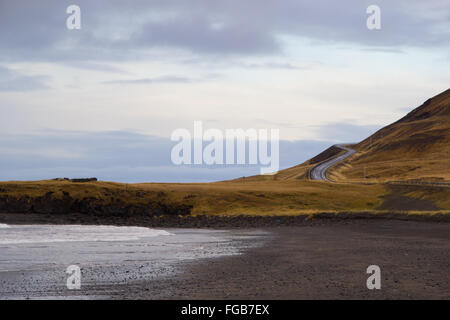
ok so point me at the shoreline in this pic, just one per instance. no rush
(218, 222)
(111, 262)
(320, 262)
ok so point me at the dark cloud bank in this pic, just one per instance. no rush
(129, 157)
(123, 30)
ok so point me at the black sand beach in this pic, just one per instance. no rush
(322, 259)
(323, 262)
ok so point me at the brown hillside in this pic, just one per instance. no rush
(416, 147)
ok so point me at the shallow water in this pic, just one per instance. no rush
(73, 233)
(34, 258)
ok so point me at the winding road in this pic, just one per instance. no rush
(319, 172)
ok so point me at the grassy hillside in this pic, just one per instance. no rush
(417, 147)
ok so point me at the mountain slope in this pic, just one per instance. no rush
(416, 147)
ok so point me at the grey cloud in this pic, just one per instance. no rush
(382, 49)
(273, 65)
(11, 80)
(118, 30)
(198, 34)
(207, 62)
(345, 132)
(89, 65)
(120, 156)
(163, 79)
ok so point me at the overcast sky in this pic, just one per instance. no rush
(140, 69)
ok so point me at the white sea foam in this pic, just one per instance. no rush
(74, 233)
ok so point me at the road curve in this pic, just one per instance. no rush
(319, 172)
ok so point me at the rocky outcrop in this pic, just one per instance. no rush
(77, 179)
(84, 180)
(49, 204)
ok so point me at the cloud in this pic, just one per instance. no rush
(345, 132)
(273, 65)
(117, 30)
(120, 156)
(197, 34)
(163, 79)
(89, 65)
(11, 80)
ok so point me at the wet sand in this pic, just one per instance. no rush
(34, 258)
(322, 262)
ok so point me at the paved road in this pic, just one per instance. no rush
(319, 172)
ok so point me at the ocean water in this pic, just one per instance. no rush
(34, 258)
(74, 233)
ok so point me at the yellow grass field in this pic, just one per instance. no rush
(247, 197)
